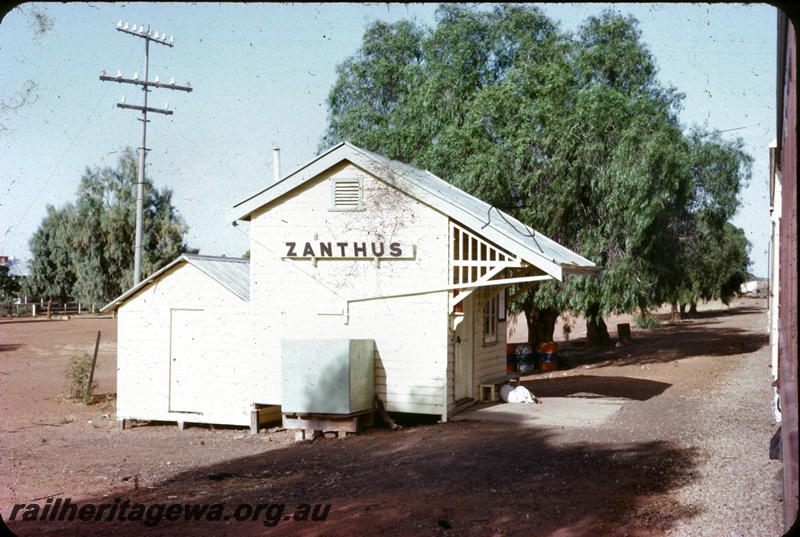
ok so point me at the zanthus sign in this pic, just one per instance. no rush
(348, 250)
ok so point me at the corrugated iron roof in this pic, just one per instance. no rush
(486, 220)
(233, 273)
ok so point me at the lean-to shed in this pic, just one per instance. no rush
(355, 246)
(184, 350)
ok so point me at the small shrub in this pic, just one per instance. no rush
(647, 323)
(108, 403)
(77, 374)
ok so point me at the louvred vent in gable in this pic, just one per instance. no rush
(347, 194)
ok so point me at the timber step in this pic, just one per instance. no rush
(490, 387)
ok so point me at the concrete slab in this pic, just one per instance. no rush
(576, 410)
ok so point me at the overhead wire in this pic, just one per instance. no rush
(529, 232)
(10, 231)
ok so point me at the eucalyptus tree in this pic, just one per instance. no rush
(9, 285)
(368, 98)
(572, 134)
(632, 159)
(714, 252)
(51, 272)
(93, 246)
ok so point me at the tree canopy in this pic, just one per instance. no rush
(85, 249)
(572, 134)
(9, 285)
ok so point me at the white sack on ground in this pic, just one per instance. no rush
(520, 394)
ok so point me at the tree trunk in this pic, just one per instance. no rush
(675, 314)
(541, 325)
(49, 305)
(596, 330)
(597, 333)
(693, 308)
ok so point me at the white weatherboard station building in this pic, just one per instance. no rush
(351, 246)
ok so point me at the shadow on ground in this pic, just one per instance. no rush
(704, 336)
(611, 386)
(463, 478)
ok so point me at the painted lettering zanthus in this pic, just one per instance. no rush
(367, 250)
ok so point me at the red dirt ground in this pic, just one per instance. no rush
(469, 477)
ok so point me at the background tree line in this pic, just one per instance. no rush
(84, 250)
(572, 134)
(9, 285)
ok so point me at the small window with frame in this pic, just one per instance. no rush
(490, 318)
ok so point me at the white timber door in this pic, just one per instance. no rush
(462, 383)
(186, 364)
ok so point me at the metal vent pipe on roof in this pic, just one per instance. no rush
(276, 165)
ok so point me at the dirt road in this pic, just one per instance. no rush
(666, 436)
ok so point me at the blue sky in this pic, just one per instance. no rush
(261, 74)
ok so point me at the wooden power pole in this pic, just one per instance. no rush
(148, 36)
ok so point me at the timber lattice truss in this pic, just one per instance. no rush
(475, 262)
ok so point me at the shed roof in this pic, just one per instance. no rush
(487, 220)
(233, 273)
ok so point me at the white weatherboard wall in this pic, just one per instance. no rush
(489, 358)
(184, 352)
(297, 299)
